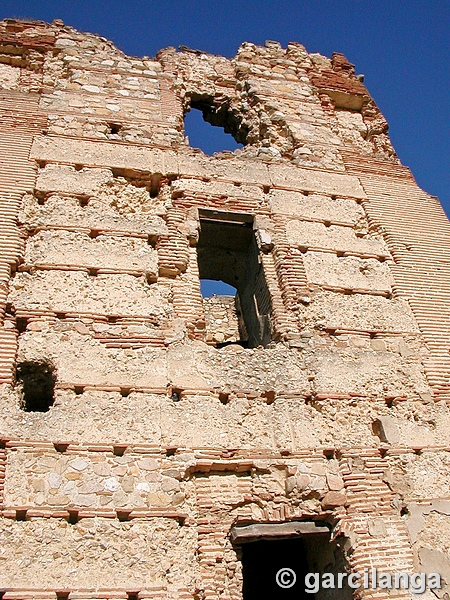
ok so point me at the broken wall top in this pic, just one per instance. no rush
(280, 103)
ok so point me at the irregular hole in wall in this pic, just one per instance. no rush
(227, 251)
(123, 514)
(176, 394)
(73, 516)
(119, 449)
(224, 397)
(227, 133)
(114, 128)
(155, 184)
(40, 198)
(36, 380)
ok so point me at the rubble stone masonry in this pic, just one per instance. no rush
(139, 428)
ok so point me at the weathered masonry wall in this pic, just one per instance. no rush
(156, 432)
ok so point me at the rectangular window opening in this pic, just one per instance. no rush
(236, 298)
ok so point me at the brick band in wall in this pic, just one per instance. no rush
(381, 539)
(20, 119)
(421, 251)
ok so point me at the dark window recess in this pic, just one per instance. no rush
(227, 133)
(37, 381)
(227, 251)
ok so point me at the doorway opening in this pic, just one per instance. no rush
(262, 560)
(283, 560)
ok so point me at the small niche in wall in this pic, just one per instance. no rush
(114, 128)
(36, 381)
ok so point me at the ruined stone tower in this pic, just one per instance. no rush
(155, 444)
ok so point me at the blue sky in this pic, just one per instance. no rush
(401, 47)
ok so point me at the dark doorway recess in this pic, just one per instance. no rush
(37, 381)
(261, 562)
(304, 547)
(227, 251)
